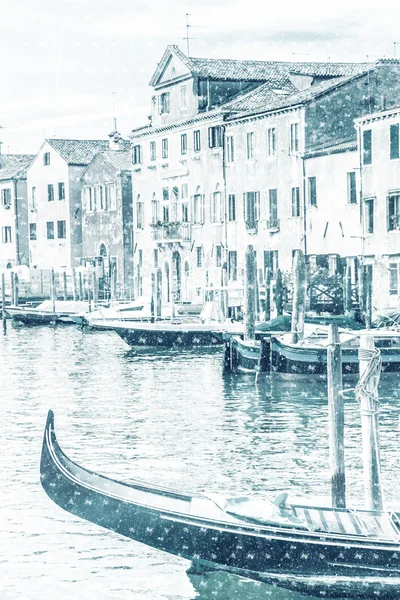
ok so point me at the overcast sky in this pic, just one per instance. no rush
(61, 60)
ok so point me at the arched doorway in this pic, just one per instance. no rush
(176, 276)
(166, 283)
(185, 286)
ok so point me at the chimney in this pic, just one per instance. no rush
(116, 141)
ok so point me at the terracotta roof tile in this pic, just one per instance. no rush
(14, 165)
(119, 159)
(78, 152)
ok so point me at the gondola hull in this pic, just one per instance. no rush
(195, 527)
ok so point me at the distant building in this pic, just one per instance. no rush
(237, 153)
(14, 210)
(54, 199)
(379, 161)
(107, 227)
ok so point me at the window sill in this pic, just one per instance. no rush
(196, 157)
(152, 167)
(136, 169)
(164, 165)
(197, 224)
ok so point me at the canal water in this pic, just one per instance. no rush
(169, 419)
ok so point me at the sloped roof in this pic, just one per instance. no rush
(77, 152)
(276, 102)
(263, 95)
(254, 70)
(121, 160)
(14, 166)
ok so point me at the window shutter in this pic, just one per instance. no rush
(257, 206)
(394, 141)
(389, 212)
(210, 137)
(159, 105)
(203, 208)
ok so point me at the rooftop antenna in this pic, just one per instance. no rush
(299, 54)
(113, 109)
(394, 48)
(188, 38)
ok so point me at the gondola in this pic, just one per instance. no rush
(257, 539)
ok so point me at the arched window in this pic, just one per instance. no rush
(139, 213)
(198, 207)
(103, 250)
(186, 279)
(174, 204)
(154, 209)
(216, 206)
(166, 283)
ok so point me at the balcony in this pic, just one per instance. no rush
(273, 225)
(171, 232)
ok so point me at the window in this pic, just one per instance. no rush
(46, 159)
(218, 256)
(369, 215)
(137, 155)
(6, 197)
(139, 213)
(295, 202)
(50, 230)
(61, 230)
(32, 231)
(271, 142)
(90, 199)
(110, 202)
(394, 278)
(232, 265)
(250, 145)
(294, 138)
(50, 192)
(394, 141)
(163, 103)
(33, 197)
(152, 151)
(183, 143)
(215, 136)
(184, 191)
(140, 258)
(271, 261)
(155, 258)
(312, 191)
(216, 207)
(230, 149)
(183, 96)
(6, 234)
(273, 208)
(251, 209)
(100, 197)
(61, 191)
(185, 212)
(154, 209)
(164, 147)
(198, 209)
(351, 188)
(199, 256)
(196, 140)
(232, 207)
(393, 212)
(367, 147)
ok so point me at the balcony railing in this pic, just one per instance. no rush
(273, 224)
(172, 232)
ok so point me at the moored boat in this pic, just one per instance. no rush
(43, 314)
(254, 538)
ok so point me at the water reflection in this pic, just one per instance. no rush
(170, 419)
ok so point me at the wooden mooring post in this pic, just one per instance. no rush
(80, 280)
(153, 296)
(347, 300)
(278, 293)
(366, 288)
(267, 300)
(89, 286)
(336, 418)
(367, 395)
(74, 286)
(95, 291)
(65, 289)
(16, 289)
(12, 288)
(250, 294)
(299, 296)
(3, 302)
(53, 290)
(158, 293)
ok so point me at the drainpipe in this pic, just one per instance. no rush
(16, 220)
(303, 162)
(224, 277)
